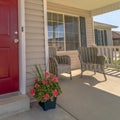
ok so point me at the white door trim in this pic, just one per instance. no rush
(22, 51)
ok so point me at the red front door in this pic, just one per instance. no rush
(9, 79)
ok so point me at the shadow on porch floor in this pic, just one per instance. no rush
(90, 97)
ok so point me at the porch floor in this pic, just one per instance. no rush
(91, 97)
(87, 98)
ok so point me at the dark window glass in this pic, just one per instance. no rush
(71, 33)
(100, 37)
(54, 17)
(105, 35)
(83, 31)
(50, 26)
(60, 18)
(96, 37)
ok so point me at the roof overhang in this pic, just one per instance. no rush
(96, 7)
(103, 25)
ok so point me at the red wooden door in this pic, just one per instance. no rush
(9, 79)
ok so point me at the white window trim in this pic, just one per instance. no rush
(66, 14)
(79, 31)
(63, 13)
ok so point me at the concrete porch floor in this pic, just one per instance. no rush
(112, 85)
(87, 98)
(91, 97)
(36, 113)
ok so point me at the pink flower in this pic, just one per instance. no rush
(37, 85)
(32, 92)
(55, 78)
(47, 74)
(55, 93)
(46, 97)
(44, 81)
(36, 80)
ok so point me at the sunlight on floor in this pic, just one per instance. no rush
(74, 73)
(112, 85)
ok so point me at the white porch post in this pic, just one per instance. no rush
(22, 52)
(46, 35)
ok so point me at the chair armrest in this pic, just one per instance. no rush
(53, 66)
(100, 60)
(64, 59)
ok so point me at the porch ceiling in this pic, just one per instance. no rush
(90, 5)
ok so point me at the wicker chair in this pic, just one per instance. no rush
(90, 61)
(59, 64)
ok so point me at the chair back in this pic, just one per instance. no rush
(52, 51)
(88, 54)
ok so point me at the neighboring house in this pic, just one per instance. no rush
(116, 38)
(24, 40)
(103, 34)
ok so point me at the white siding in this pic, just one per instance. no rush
(90, 31)
(109, 38)
(35, 40)
(67, 9)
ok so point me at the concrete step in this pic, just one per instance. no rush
(13, 104)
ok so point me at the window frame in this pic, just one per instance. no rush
(67, 14)
(103, 38)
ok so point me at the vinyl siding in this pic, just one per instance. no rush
(53, 7)
(90, 31)
(35, 40)
(109, 38)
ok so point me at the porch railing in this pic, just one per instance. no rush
(112, 55)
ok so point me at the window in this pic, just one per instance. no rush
(63, 31)
(71, 33)
(83, 31)
(101, 37)
(56, 31)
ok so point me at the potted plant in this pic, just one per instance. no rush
(46, 88)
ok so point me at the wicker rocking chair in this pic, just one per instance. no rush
(90, 61)
(59, 64)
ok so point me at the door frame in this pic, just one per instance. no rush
(22, 43)
(21, 50)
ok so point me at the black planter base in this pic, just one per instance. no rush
(48, 105)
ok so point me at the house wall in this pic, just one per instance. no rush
(35, 38)
(89, 28)
(116, 42)
(75, 12)
(109, 37)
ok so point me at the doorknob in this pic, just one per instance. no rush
(16, 40)
(15, 32)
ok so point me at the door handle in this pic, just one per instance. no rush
(16, 33)
(16, 40)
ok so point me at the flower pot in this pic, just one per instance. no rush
(48, 104)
